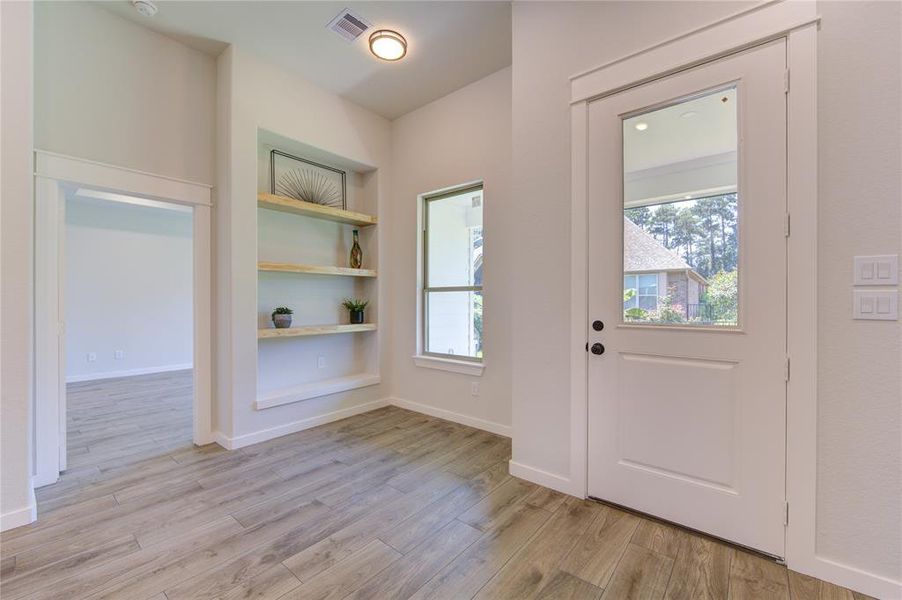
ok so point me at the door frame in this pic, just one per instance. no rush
(797, 22)
(53, 172)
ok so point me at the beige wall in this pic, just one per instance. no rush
(859, 436)
(109, 90)
(859, 507)
(462, 137)
(340, 133)
(16, 241)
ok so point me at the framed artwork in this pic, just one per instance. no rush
(306, 180)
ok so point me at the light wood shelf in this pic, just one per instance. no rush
(307, 330)
(316, 211)
(316, 389)
(275, 267)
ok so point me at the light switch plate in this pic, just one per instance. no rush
(877, 305)
(876, 270)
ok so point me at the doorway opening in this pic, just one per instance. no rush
(129, 347)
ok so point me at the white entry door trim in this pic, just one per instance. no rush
(53, 172)
(798, 23)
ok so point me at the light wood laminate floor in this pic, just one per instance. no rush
(388, 504)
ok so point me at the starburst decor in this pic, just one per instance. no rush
(309, 186)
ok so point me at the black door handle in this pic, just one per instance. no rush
(597, 325)
(597, 348)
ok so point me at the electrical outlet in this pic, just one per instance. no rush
(474, 389)
(118, 355)
(320, 362)
(91, 357)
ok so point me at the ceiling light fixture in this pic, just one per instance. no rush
(641, 126)
(145, 7)
(388, 45)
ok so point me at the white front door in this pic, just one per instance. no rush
(687, 283)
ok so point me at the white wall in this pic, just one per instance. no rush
(109, 90)
(859, 497)
(129, 276)
(254, 96)
(859, 435)
(460, 138)
(17, 505)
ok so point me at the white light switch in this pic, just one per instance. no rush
(876, 270)
(880, 305)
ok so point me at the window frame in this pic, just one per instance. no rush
(425, 288)
(638, 295)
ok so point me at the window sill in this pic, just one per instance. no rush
(464, 367)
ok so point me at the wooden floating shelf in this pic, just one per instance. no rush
(275, 267)
(316, 389)
(269, 333)
(317, 211)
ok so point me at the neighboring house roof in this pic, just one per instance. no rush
(642, 252)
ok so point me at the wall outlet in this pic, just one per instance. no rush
(320, 362)
(91, 356)
(118, 355)
(474, 389)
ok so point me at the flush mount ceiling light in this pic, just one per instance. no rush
(388, 45)
(145, 7)
(641, 126)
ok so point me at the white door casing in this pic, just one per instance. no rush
(685, 423)
(53, 173)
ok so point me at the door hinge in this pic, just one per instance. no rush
(786, 224)
(786, 513)
(786, 370)
(786, 81)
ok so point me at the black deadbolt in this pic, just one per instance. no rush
(597, 325)
(597, 348)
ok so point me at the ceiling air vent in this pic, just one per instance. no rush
(348, 25)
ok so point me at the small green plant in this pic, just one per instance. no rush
(282, 310)
(355, 304)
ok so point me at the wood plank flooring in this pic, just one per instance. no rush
(388, 504)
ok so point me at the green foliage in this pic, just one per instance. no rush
(702, 231)
(282, 310)
(666, 313)
(477, 322)
(634, 313)
(723, 296)
(354, 304)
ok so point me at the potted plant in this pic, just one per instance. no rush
(355, 307)
(281, 317)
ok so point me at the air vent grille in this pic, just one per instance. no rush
(348, 25)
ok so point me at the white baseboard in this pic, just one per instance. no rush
(128, 373)
(490, 426)
(233, 443)
(23, 516)
(42, 479)
(850, 577)
(549, 480)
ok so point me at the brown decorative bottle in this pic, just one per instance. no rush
(356, 253)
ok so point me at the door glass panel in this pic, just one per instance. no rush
(681, 213)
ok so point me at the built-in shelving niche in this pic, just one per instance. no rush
(302, 254)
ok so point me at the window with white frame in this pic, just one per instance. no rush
(452, 274)
(640, 291)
